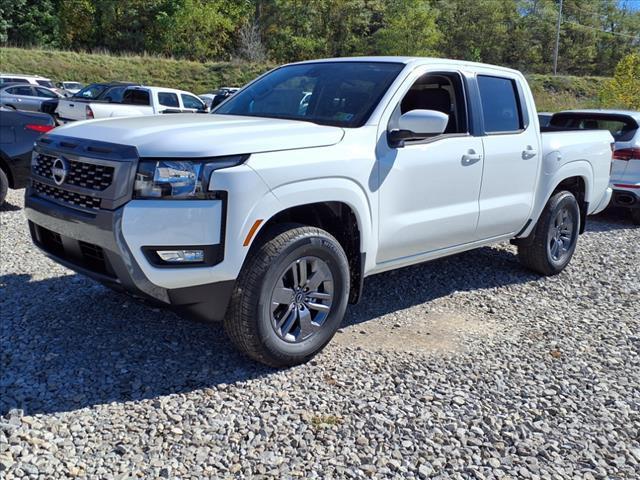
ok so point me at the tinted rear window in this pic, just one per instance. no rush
(500, 105)
(168, 99)
(136, 97)
(622, 128)
(45, 83)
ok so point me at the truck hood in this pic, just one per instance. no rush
(201, 135)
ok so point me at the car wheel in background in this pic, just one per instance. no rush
(554, 237)
(4, 186)
(290, 297)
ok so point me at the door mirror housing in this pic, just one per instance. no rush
(417, 125)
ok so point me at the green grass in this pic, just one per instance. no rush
(195, 77)
(565, 92)
(551, 93)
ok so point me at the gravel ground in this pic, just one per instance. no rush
(466, 367)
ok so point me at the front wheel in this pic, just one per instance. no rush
(290, 297)
(554, 237)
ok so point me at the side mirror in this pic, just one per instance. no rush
(417, 125)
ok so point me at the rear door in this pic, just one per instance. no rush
(24, 98)
(168, 102)
(512, 156)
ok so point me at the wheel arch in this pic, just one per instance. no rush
(576, 177)
(336, 217)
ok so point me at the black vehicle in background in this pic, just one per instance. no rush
(18, 131)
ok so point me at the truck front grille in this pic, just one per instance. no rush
(81, 174)
(65, 196)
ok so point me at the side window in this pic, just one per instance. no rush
(500, 104)
(114, 94)
(136, 97)
(191, 102)
(43, 92)
(168, 99)
(442, 92)
(26, 91)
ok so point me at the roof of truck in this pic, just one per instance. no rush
(411, 60)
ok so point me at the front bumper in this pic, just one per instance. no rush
(94, 245)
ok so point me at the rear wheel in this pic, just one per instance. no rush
(4, 186)
(554, 237)
(290, 297)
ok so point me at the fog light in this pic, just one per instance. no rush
(181, 256)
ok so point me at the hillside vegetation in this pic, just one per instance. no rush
(188, 75)
(551, 93)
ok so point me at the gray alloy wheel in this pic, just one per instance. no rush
(562, 235)
(291, 295)
(553, 241)
(301, 300)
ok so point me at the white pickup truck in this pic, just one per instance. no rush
(270, 212)
(131, 101)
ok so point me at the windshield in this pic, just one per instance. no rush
(91, 91)
(342, 94)
(46, 83)
(72, 85)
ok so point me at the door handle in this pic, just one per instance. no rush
(471, 157)
(71, 105)
(528, 153)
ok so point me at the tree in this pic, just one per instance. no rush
(623, 91)
(251, 47)
(409, 29)
(76, 23)
(28, 22)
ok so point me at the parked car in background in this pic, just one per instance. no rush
(24, 96)
(270, 219)
(215, 98)
(544, 118)
(68, 89)
(139, 100)
(625, 129)
(18, 132)
(30, 79)
(73, 108)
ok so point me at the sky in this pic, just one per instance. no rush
(632, 4)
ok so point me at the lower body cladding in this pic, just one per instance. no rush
(124, 249)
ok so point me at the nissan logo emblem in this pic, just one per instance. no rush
(59, 170)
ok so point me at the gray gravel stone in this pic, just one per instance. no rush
(468, 367)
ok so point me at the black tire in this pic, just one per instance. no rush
(4, 186)
(250, 322)
(635, 215)
(538, 255)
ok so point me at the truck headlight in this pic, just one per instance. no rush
(179, 179)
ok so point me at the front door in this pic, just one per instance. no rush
(428, 197)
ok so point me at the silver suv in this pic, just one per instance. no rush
(624, 126)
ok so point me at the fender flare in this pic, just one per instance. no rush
(319, 190)
(549, 183)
